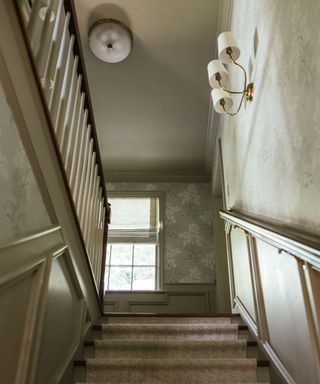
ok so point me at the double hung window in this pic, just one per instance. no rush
(133, 251)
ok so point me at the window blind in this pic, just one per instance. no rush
(134, 219)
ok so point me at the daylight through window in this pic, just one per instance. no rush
(132, 261)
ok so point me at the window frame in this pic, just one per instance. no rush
(159, 245)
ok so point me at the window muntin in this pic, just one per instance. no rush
(131, 267)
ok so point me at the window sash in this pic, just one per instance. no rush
(132, 266)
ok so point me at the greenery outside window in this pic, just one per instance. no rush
(134, 249)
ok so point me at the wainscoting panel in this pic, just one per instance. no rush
(242, 270)
(176, 298)
(14, 307)
(23, 267)
(61, 328)
(286, 312)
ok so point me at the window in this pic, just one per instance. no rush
(133, 252)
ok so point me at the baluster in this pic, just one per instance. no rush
(45, 36)
(85, 202)
(95, 229)
(77, 152)
(81, 176)
(70, 104)
(56, 89)
(91, 225)
(33, 20)
(48, 73)
(85, 182)
(59, 125)
(101, 239)
(97, 234)
(89, 205)
(78, 115)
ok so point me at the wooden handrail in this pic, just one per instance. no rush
(297, 242)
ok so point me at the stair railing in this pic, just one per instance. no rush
(51, 33)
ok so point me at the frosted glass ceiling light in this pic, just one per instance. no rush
(110, 40)
(218, 76)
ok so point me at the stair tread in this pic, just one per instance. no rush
(169, 349)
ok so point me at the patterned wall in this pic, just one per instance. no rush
(188, 253)
(271, 150)
(22, 210)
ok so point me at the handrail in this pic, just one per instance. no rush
(57, 61)
(302, 245)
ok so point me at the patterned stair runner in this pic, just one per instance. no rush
(160, 350)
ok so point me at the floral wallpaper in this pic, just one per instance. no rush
(22, 210)
(188, 232)
(271, 150)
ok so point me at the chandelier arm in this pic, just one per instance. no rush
(244, 71)
(232, 92)
(233, 114)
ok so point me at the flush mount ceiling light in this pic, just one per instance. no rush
(229, 52)
(110, 40)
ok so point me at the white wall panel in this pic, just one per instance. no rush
(14, 306)
(61, 328)
(22, 210)
(241, 270)
(286, 312)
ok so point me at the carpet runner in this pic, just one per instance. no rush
(158, 350)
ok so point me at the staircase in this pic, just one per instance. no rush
(170, 350)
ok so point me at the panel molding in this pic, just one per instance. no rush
(64, 362)
(124, 301)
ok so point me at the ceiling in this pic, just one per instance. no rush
(151, 110)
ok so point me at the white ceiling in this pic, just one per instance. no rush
(151, 110)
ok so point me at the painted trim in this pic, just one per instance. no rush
(166, 300)
(277, 362)
(33, 237)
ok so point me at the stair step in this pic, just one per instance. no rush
(150, 349)
(169, 320)
(145, 349)
(170, 331)
(166, 371)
